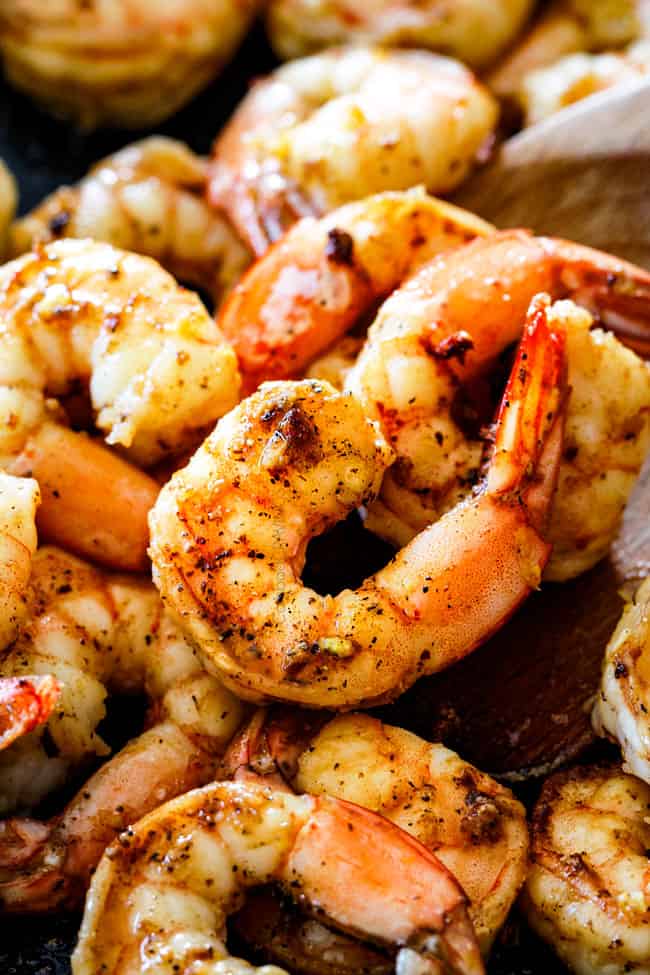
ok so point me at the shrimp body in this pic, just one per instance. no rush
(576, 76)
(161, 895)
(588, 890)
(130, 63)
(84, 312)
(472, 30)
(19, 499)
(472, 824)
(25, 703)
(569, 27)
(324, 275)
(94, 633)
(229, 533)
(147, 198)
(622, 706)
(91, 634)
(335, 127)
(437, 338)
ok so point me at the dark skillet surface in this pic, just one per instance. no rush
(492, 708)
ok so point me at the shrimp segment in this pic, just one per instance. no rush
(434, 341)
(588, 890)
(229, 534)
(472, 824)
(623, 704)
(130, 63)
(333, 128)
(147, 198)
(323, 275)
(150, 897)
(19, 499)
(94, 503)
(472, 30)
(25, 702)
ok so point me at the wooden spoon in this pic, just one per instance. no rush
(520, 705)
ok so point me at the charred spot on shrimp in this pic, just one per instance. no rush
(339, 248)
(295, 440)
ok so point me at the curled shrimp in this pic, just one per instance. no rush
(92, 634)
(123, 63)
(80, 316)
(324, 275)
(588, 890)
(623, 703)
(568, 27)
(147, 198)
(472, 824)
(96, 633)
(8, 199)
(474, 31)
(161, 895)
(435, 342)
(337, 126)
(19, 499)
(229, 533)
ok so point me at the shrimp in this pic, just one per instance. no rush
(19, 499)
(130, 63)
(79, 315)
(422, 375)
(94, 634)
(576, 76)
(324, 275)
(622, 706)
(8, 199)
(569, 27)
(229, 533)
(161, 895)
(332, 128)
(147, 198)
(588, 890)
(473, 825)
(474, 31)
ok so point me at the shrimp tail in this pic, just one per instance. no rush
(530, 420)
(25, 703)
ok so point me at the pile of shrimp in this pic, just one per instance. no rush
(208, 362)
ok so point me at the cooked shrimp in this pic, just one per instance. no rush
(19, 499)
(147, 198)
(324, 275)
(473, 825)
(472, 30)
(588, 890)
(576, 76)
(8, 198)
(570, 27)
(84, 315)
(95, 633)
(125, 62)
(622, 708)
(337, 126)
(229, 534)
(333, 366)
(436, 339)
(161, 895)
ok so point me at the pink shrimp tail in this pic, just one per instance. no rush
(25, 703)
